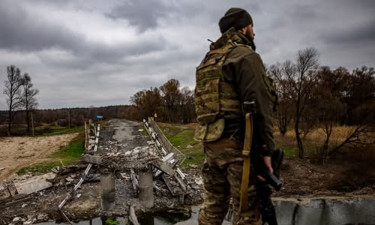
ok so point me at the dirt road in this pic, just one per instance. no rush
(18, 152)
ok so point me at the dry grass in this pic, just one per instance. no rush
(316, 137)
(312, 142)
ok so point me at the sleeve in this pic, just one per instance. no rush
(248, 78)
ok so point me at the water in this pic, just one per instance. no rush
(148, 219)
(328, 211)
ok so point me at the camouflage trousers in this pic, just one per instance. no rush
(222, 174)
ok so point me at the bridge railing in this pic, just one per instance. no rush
(165, 142)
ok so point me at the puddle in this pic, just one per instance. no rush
(289, 212)
(164, 219)
(326, 211)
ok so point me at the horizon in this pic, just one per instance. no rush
(102, 53)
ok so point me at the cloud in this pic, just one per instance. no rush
(103, 52)
(23, 31)
(142, 14)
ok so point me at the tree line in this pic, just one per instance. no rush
(168, 103)
(313, 96)
(22, 108)
(20, 95)
(310, 97)
(66, 117)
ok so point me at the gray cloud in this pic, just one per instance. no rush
(103, 52)
(143, 14)
(364, 33)
(23, 32)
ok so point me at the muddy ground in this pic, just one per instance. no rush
(300, 178)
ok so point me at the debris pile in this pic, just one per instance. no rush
(112, 179)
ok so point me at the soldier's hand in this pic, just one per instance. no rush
(268, 164)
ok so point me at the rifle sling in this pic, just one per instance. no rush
(246, 163)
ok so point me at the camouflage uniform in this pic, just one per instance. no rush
(222, 134)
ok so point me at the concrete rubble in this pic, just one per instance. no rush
(121, 153)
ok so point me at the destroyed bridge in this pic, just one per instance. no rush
(123, 172)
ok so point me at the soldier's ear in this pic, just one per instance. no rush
(243, 30)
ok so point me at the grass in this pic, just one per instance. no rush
(181, 136)
(66, 155)
(46, 130)
(111, 221)
(57, 130)
(39, 168)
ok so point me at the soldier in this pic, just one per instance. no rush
(230, 74)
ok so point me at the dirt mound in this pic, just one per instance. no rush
(303, 178)
(17, 152)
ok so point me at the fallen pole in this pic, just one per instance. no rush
(65, 217)
(67, 198)
(134, 180)
(132, 216)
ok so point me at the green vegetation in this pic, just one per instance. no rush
(290, 151)
(181, 137)
(47, 130)
(57, 130)
(170, 130)
(72, 151)
(112, 221)
(66, 155)
(40, 168)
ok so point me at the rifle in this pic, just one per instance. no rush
(249, 108)
(261, 169)
(263, 189)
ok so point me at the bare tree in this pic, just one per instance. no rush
(284, 113)
(328, 105)
(27, 97)
(306, 66)
(172, 98)
(12, 91)
(297, 80)
(187, 109)
(360, 96)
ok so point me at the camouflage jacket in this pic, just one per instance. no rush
(244, 70)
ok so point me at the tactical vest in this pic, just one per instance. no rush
(214, 96)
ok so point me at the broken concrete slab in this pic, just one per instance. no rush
(7, 190)
(4, 192)
(34, 184)
(165, 167)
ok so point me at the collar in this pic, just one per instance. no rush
(233, 36)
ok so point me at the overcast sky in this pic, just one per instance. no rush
(82, 53)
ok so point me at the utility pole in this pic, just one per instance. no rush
(69, 118)
(32, 123)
